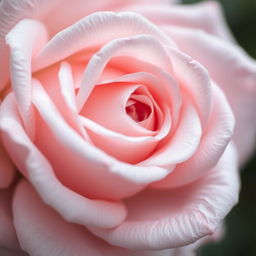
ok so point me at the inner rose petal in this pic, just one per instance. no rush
(128, 124)
(140, 108)
(137, 110)
(124, 108)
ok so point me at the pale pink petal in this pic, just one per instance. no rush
(7, 252)
(113, 98)
(144, 47)
(7, 170)
(11, 12)
(21, 53)
(99, 29)
(235, 72)
(57, 20)
(123, 147)
(8, 237)
(195, 81)
(177, 217)
(183, 143)
(216, 137)
(115, 179)
(31, 162)
(206, 16)
(161, 83)
(42, 231)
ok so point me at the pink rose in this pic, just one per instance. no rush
(119, 123)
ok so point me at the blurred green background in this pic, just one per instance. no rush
(240, 238)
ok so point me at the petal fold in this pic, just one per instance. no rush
(177, 217)
(21, 53)
(32, 163)
(42, 231)
(99, 28)
(222, 58)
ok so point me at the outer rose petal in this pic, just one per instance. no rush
(8, 237)
(36, 168)
(173, 218)
(41, 231)
(206, 16)
(234, 71)
(122, 179)
(81, 8)
(215, 138)
(11, 12)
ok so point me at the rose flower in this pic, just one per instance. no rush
(120, 120)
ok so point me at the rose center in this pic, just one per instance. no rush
(137, 111)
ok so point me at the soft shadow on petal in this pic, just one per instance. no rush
(181, 144)
(58, 20)
(161, 83)
(177, 217)
(222, 58)
(8, 237)
(206, 16)
(99, 28)
(115, 179)
(32, 163)
(213, 143)
(113, 130)
(7, 170)
(42, 231)
(144, 47)
(195, 82)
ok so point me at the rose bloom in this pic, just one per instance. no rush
(120, 118)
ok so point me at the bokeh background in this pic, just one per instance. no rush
(240, 238)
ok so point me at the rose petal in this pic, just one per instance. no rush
(144, 47)
(21, 52)
(216, 137)
(182, 144)
(99, 29)
(43, 232)
(122, 179)
(206, 16)
(123, 147)
(177, 217)
(8, 237)
(113, 98)
(11, 12)
(222, 58)
(37, 169)
(161, 84)
(7, 170)
(195, 80)
(81, 8)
